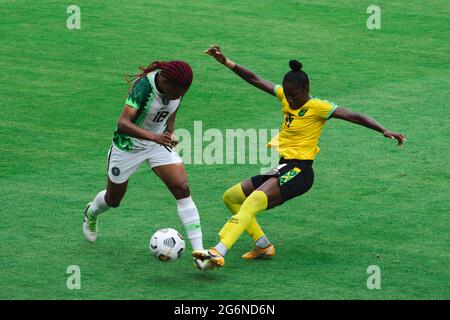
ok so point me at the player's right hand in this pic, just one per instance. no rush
(165, 139)
(214, 51)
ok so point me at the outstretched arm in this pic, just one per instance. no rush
(242, 72)
(363, 120)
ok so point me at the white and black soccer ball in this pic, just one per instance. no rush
(167, 244)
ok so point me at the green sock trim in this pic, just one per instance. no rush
(193, 227)
(91, 218)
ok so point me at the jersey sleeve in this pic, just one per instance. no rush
(139, 94)
(279, 93)
(325, 109)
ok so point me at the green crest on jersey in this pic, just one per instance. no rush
(302, 112)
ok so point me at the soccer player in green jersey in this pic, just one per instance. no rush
(144, 134)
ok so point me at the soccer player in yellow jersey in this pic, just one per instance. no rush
(303, 120)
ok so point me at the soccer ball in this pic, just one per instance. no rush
(167, 244)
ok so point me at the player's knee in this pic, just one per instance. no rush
(227, 197)
(181, 190)
(234, 195)
(227, 200)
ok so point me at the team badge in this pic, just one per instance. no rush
(289, 175)
(115, 171)
(302, 112)
(165, 100)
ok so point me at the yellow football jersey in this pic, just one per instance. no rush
(301, 128)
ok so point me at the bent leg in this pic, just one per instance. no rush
(233, 199)
(121, 165)
(111, 197)
(175, 178)
(266, 196)
(102, 202)
(115, 193)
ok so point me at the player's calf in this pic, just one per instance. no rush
(190, 218)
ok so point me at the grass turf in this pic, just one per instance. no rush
(372, 203)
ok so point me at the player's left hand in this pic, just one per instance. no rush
(397, 136)
(174, 140)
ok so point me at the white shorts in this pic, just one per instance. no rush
(122, 164)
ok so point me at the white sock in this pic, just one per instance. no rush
(262, 242)
(188, 213)
(221, 248)
(99, 204)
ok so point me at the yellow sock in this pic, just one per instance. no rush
(233, 199)
(256, 202)
(254, 230)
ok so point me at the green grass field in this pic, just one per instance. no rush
(372, 203)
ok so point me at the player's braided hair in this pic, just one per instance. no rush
(296, 75)
(178, 72)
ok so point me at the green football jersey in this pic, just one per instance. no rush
(154, 110)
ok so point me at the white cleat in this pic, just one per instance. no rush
(90, 226)
(203, 265)
(212, 258)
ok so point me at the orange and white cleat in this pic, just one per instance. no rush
(260, 253)
(212, 255)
